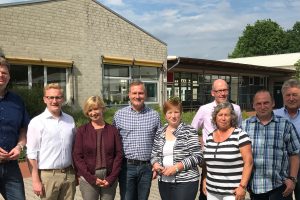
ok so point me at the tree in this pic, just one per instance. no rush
(297, 73)
(293, 37)
(265, 37)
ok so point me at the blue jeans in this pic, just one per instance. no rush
(178, 191)
(135, 181)
(11, 181)
(275, 194)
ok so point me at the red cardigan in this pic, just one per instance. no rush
(84, 152)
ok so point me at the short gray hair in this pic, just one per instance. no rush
(233, 122)
(291, 83)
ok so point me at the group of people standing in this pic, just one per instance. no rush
(259, 154)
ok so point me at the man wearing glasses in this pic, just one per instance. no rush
(49, 148)
(202, 119)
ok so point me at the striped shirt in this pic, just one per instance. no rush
(272, 144)
(137, 130)
(186, 150)
(224, 162)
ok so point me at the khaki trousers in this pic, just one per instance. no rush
(58, 185)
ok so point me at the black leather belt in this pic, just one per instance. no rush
(136, 162)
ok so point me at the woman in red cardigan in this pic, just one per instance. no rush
(97, 153)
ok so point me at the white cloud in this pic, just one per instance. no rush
(114, 2)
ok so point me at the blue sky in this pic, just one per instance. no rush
(202, 28)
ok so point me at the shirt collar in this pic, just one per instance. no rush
(47, 114)
(256, 119)
(144, 109)
(286, 111)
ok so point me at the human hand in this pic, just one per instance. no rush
(240, 193)
(157, 168)
(14, 153)
(38, 188)
(169, 171)
(290, 186)
(3, 154)
(204, 187)
(102, 183)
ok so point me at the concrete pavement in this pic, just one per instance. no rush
(154, 194)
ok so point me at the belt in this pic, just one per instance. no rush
(136, 162)
(2, 161)
(65, 170)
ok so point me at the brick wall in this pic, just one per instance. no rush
(77, 30)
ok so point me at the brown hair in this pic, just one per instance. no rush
(172, 102)
(4, 63)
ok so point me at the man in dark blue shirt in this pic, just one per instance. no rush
(13, 124)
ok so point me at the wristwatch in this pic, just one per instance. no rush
(20, 146)
(294, 179)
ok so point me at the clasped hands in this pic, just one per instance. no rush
(102, 183)
(166, 171)
(12, 155)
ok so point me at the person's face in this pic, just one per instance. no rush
(137, 96)
(291, 98)
(4, 76)
(173, 116)
(220, 91)
(263, 105)
(223, 119)
(95, 114)
(53, 99)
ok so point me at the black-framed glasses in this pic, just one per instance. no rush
(54, 97)
(221, 91)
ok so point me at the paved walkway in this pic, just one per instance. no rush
(154, 194)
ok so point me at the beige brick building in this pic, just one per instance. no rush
(85, 46)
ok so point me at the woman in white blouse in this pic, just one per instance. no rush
(175, 155)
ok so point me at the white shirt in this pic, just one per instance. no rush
(168, 158)
(50, 140)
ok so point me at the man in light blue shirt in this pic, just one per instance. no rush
(291, 110)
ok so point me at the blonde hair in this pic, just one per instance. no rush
(92, 102)
(53, 86)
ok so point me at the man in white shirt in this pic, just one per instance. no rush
(49, 148)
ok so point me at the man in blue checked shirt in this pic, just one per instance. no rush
(137, 124)
(275, 147)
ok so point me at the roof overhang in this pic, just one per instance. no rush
(221, 67)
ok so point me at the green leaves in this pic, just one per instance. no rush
(266, 37)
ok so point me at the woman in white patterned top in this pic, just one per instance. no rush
(227, 156)
(176, 153)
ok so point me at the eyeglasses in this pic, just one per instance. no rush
(54, 97)
(221, 91)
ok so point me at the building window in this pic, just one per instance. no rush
(19, 76)
(118, 77)
(36, 76)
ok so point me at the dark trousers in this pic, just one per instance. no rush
(11, 181)
(135, 181)
(297, 188)
(178, 191)
(275, 194)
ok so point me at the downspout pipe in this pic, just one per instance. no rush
(173, 58)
